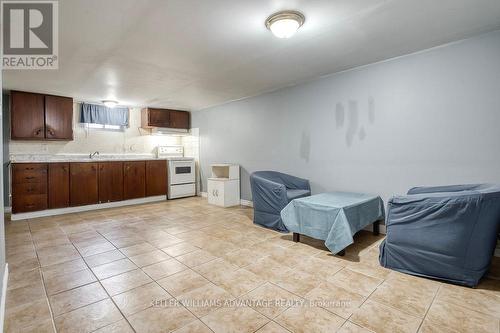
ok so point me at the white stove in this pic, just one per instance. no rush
(181, 172)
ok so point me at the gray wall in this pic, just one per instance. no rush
(423, 119)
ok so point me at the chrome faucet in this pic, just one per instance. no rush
(93, 154)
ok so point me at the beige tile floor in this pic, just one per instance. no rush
(185, 266)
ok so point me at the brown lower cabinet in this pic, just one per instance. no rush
(29, 187)
(156, 178)
(58, 184)
(134, 180)
(40, 186)
(110, 181)
(83, 184)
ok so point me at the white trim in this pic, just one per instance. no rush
(243, 202)
(59, 211)
(4, 295)
(7, 209)
(247, 203)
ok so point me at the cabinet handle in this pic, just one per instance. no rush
(29, 177)
(50, 132)
(38, 131)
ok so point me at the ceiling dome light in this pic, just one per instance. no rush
(285, 24)
(109, 103)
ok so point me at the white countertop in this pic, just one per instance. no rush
(42, 158)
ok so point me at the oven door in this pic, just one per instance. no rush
(181, 172)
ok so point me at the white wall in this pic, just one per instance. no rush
(424, 119)
(2, 218)
(132, 140)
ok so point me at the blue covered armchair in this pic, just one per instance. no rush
(271, 192)
(445, 232)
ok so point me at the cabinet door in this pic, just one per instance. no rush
(134, 180)
(83, 184)
(215, 193)
(58, 185)
(110, 181)
(27, 116)
(179, 119)
(156, 178)
(58, 118)
(158, 117)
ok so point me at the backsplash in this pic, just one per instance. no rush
(133, 140)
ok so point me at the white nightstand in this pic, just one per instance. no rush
(224, 185)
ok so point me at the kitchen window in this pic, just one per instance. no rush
(101, 117)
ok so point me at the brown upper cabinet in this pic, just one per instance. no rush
(41, 117)
(179, 119)
(27, 116)
(152, 117)
(58, 118)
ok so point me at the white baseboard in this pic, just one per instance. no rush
(247, 203)
(4, 296)
(60, 211)
(243, 202)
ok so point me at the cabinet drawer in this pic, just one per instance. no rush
(37, 176)
(29, 167)
(29, 188)
(29, 203)
(29, 173)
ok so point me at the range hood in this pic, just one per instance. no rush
(170, 131)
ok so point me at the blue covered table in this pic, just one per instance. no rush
(333, 217)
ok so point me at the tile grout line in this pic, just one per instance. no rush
(428, 309)
(364, 301)
(107, 293)
(155, 281)
(42, 280)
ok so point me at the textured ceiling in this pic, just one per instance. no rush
(191, 54)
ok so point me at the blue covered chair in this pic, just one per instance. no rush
(271, 192)
(446, 232)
